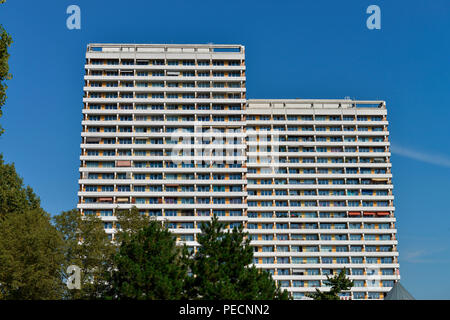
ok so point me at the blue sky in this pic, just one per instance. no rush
(296, 49)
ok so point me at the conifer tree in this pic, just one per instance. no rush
(338, 283)
(148, 266)
(221, 268)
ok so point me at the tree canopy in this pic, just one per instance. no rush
(129, 222)
(87, 246)
(148, 266)
(14, 196)
(338, 283)
(5, 43)
(221, 268)
(31, 249)
(31, 253)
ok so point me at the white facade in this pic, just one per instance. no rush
(319, 193)
(168, 129)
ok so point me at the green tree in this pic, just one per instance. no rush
(130, 222)
(148, 266)
(5, 43)
(14, 196)
(31, 249)
(338, 283)
(31, 253)
(221, 268)
(87, 246)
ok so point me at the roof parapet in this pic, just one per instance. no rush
(315, 103)
(186, 48)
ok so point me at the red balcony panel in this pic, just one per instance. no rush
(123, 163)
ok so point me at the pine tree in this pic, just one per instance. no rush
(221, 267)
(148, 266)
(338, 283)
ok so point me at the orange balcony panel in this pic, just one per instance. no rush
(354, 213)
(383, 214)
(369, 213)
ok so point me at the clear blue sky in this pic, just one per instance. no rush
(295, 49)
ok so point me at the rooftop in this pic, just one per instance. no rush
(315, 103)
(147, 47)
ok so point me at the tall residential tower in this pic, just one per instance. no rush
(168, 129)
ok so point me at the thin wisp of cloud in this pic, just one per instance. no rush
(421, 156)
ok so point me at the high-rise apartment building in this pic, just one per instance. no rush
(168, 129)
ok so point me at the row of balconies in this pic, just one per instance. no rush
(200, 193)
(141, 67)
(173, 72)
(179, 111)
(365, 290)
(362, 233)
(232, 134)
(197, 128)
(162, 100)
(296, 242)
(178, 166)
(314, 133)
(105, 196)
(135, 89)
(322, 208)
(324, 254)
(219, 139)
(342, 124)
(127, 205)
(180, 146)
(135, 77)
(281, 143)
(162, 123)
(278, 168)
(283, 163)
(323, 277)
(215, 182)
(199, 215)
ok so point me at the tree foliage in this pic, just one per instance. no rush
(338, 283)
(31, 250)
(87, 246)
(143, 263)
(129, 222)
(31, 253)
(148, 266)
(14, 196)
(5, 43)
(221, 267)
